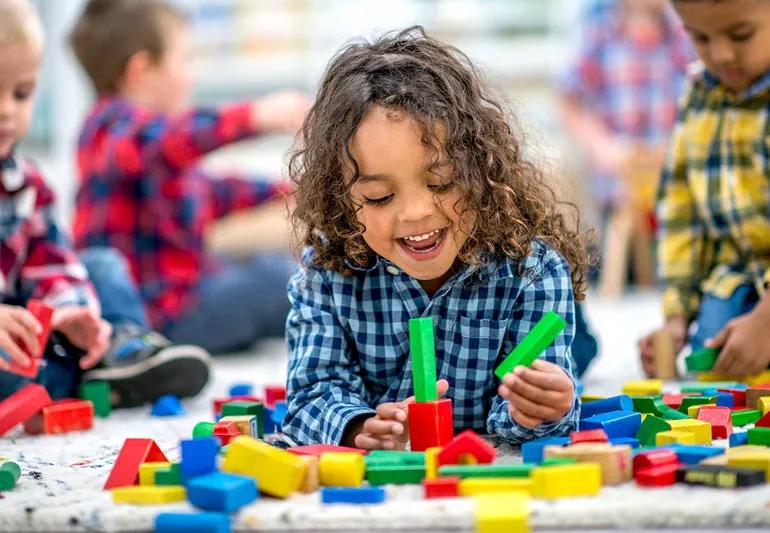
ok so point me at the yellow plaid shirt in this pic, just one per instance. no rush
(713, 204)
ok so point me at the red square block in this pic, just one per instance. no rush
(22, 405)
(720, 420)
(274, 393)
(62, 416)
(657, 476)
(43, 314)
(443, 487)
(588, 435)
(430, 424)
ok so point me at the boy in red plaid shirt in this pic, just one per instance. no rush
(142, 192)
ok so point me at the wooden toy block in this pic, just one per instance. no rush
(226, 431)
(675, 400)
(759, 460)
(580, 479)
(555, 461)
(467, 443)
(533, 344)
(720, 420)
(355, 495)
(673, 437)
(199, 456)
(713, 377)
(279, 411)
(700, 386)
(763, 422)
(169, 476)
(503, 512)
(443, 487)
(43, 313)
(747, 448)
(430, 424)
(739, 395)
(664, 354)
(394, 457)
(245, 408)
(241, 389)
(701, 360)
(643, 387)
(431, 462)
(719, 476)
(651, 426)
(277, 472)
(695, 454)
(62, 416)
(695, 400)
(311, 481)
(614, 461)
(725, 399)
(654, 458)
(649, 404)
(532, 451)
(763, 404)
(739, 439)
(167, 405)
(396, 474)
(225, 493)
(22, 405)
(744, 417)
(203, 429)
(484, 485)
(622, 402)
(672, 414)
(494, 470)
(717, 460)
(699, 428)
(274, 393)
(759, 436)
(217, 403)
(628, 441)
(192, 523)
(247, 424)
(588, 398)
(593, 435)
(99, 393)
(319, 449)
(763, 378)
(693, 410)
(148, 495)
(147, 472)
(615, 423)
(657, 476)
(125, 471)
(423, 355)
(341, 469)
(9, 475)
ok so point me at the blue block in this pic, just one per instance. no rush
(279, 413)
(167, 405)
(352, 494)
(241, 389)
(709, 392)
(222, 492)
(199, 457)
(192, 523)
(532, 451)
(267, 423)
(725, 399)
(631, 441)
(615, 423)
(691, 454)
(739, 439)
(622, 402)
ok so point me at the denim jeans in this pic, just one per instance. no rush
(584, 345)
(715, 312)
(241, 304)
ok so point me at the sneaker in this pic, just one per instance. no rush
(141, 366)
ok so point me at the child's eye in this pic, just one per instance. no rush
(741, 37)
(22, 95)
(441, 188)
(378, 201)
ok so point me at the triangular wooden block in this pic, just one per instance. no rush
(763, 422)
(125, 471)
(467, 443)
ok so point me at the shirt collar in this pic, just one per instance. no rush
(757, 88)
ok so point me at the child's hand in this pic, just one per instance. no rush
(541, 393)
(18, 335)
(744, 344)
(280, 112)
(85, 329)
(389, 428)
(677, 327)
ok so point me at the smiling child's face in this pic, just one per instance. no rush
(411, 214)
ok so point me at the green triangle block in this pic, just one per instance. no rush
(651, 426)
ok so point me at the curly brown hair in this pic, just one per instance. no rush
(434, 83)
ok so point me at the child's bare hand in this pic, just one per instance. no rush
(389, 428)
(677, 328)
(18, 335)
(85, 329)
(281, 112)
(744, 344)
(538, 394)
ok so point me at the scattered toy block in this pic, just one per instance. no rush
(431, 462)
(675, 400)
(217, 403)
(579, 479)
(277, 472)
(478, 485)
(226, 431)
(759, 460)
(588, 398)
(247, 424)
(504, 512)
(555, 461)
(22, 405)
(621, 402)
(664, 354)
(192, 523)
(279, 412)
(319, 449)
(748, 448)
(643, 387)
(532, 451)
(759, 435)
(442, 487)
(430, 424)
(62, 416)
(614, 461)
(125, 471)
(148, 495)
(396, 474)
(673, 437)
(493, 470)
(694, 454)
(203, 429)
(267, 422)
(695, 400)
(650, 427)
(467, 443)
(341, 469)
(739, 395)
(533, 344)
(700, 429)
(719, 476)
(199, 457)
(615, 423)
(217, 491)
(763, 378)
(725, 399)
(393, 457)
(714, 377)
(763, 422)
(628, 441)
(693, 410)
(274, 393)
(245, 408)
(147, 472)
(9, 475)
(169, 476)
(357, 495)
(705, 384)
(657, 476)
(744, 417)
(43, 313)
(739, 439)
(649, 404)
(311, 481)
(763, 404)
(99, 393)
(423, 356)
(593, 435)
(242, 389)
(720, 420)
(701, 360)
(717, 460)
(167, 405)
(654, 458)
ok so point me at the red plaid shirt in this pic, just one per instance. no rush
(36, 259)
(141, 193)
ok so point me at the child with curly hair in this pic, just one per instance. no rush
(413, 200)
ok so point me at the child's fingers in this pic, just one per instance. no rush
(392, 411)
(442, 386)
(13, 350)
(522, 419)
(366, 441)
(21, 332)
(542, 375)
(378, 427)
(534, 410)
(516, 384)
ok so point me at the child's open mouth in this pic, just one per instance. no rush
(424, 246)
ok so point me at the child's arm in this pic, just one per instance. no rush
(230, 193)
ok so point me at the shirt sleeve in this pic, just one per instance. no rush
(230, 193)
(550, 290)
(325, 388)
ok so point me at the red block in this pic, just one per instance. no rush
(467, 443)
(430, 424)
(739, 396)
(763, 422)
(134, 452)
(274, 393)
(588, 435)
(655, 458)
(317, 449)
(219, 402)
(22, 405)
(675, 400)
(443, 487)
(226, 431)
(61, 417)
(720, 420)
(43, 314)
(657, 476)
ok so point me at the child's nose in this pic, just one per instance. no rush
(722, 52)
(417, 206)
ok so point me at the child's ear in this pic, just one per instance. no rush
(137, 68)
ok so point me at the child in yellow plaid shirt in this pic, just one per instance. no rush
(713, 203)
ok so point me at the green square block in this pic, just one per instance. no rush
(98, 392)
(689, 401)
(701, 360)
(745, 417)
(651, 426)
(169, 476)
(244, 408)
(423, 354)
(556, 461)
(394, 458)
(396, 474)
(698, 386)
(203, 430)
(649, 404)
(759, 436)
(495, 470)
(531, 346)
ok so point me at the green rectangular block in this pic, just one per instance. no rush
(651, 426)
(169, 476)
(98, 392)
(394, 457)
(698, 386)
(423, 354)
(241, 408)
(649, 404)
(556, 461)
(689, 401)
(495, 470)
(701, 360)
(672, 414)
(759, 436)
(396, 474)
(744, 417)
(531, 346)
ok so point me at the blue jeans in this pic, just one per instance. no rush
(715, 312)
(239, 305)
(121, 304)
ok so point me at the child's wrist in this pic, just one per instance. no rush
(353, 428)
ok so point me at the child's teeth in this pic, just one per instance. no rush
(422, 237)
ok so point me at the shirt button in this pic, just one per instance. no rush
(393, 270)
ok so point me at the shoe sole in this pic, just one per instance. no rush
(180, 370)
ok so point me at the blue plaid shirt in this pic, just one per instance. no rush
(348, 340)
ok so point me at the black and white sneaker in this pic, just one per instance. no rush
(143, 365)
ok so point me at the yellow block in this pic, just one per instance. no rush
(341, 469)
(149, 495)
(614, 462)
(591, 398)
(710, 376)
(310, 481)
(563, 481)
(700, 429)
(246, 423)
(502, 512)
(693, 410)
(763, 404)
(746, 448)
(672, 437)
(717, 460)
(278, 472)
(431, 462)
(757, 460)
(757, 379)
(485, 485)
(643, 387)
(147, 472)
